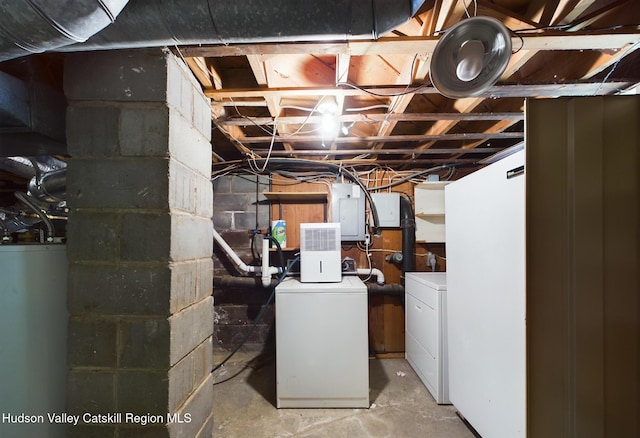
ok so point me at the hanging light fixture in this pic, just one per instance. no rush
(330, 124)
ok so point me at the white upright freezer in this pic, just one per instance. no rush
(426, 330)
(485, 221)
(322, 350)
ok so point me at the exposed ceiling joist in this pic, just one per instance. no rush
(549, 40)
(407, 117)
(510, 90)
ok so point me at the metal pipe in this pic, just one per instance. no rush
(24, 166)
(393, 289)
(230, 281)
(51, 231)
(39, 26)
(50, 187)
(408, 225)
(34, 27)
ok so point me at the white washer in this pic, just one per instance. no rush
(426, 330)
(322, 352)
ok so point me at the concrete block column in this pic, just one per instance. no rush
(140, 247)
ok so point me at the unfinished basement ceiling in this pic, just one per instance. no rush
(266, 95)
(390, 114)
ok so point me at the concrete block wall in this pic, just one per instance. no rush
(140, 246)
(237, 306)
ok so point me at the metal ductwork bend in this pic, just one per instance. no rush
(31, 26)
(36, 26)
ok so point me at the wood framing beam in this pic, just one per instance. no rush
(389, 138)
(417, 44)
(405, 117)
(431, 151)
(507, 90)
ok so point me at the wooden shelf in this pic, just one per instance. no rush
(430, 211)
(427, 216)
(296, 196)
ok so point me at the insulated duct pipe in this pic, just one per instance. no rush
(408, 225)
(50, 186)
(31, 26)
(35, 26)
(48, 176)
(24, 166)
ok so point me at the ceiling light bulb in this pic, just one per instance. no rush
(330, 126)
(470, 60)
(328, 105)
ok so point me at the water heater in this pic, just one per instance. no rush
(33, 337)
(320, 255)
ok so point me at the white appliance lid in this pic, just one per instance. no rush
(435, 280)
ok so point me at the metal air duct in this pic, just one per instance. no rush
(35, 25)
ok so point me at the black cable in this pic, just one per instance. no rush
(260, 315)
(279, 249)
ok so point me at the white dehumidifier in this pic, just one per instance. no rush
(320, 255)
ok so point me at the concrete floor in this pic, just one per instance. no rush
(401, 407)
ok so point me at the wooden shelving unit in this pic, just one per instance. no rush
(296, 196)
(429, 205)
(297, 207)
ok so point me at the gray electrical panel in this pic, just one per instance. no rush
(347, 208)
(388, 208)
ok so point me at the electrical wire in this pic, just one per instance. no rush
(373, 93)
(613, 67)
(415, 175)
(475, 11)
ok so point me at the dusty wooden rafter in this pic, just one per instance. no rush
(547, 40)
(387, 138)
(557, 89)
(404, 117)
(413, 152)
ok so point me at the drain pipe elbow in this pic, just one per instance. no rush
(266, 270)
(375, 271)
(231, 253)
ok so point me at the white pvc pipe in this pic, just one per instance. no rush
(375, 271)
(266, 270)
(266, 275)
(237, 260)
